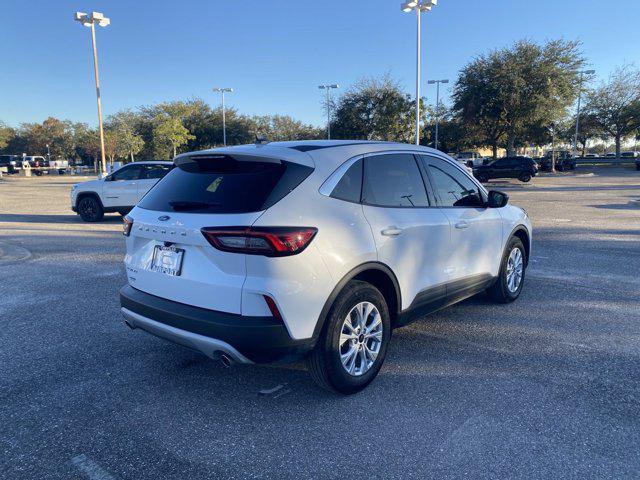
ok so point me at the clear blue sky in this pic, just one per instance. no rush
(273, 53)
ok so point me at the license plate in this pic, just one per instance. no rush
(167, 260)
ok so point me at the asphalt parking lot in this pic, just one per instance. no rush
(546, 387)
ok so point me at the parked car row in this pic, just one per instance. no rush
(13, 163)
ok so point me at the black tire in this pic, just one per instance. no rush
(525, 177)
(482, 177)
(90, 209)
(500, 291)
(324, 361)
(638, 166)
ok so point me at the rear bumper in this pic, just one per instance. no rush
(244, 339)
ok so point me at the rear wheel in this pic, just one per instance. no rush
(90, 209)
(524, 177)
(482, 177)
(508, 285)
(353, 344)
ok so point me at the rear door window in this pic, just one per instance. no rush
(222, 184)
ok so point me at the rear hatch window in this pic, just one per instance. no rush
(224, 184)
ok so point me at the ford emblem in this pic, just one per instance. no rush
(164, 218)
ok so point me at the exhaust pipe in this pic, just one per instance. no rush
(226, 360)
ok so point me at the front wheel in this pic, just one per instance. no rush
(482, 177)
(354, 340)
(525, 177)
(508, 285)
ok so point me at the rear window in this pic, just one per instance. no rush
(222, 184)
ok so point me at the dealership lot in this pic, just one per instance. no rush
(545, 387)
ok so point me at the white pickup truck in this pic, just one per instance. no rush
(117, 192)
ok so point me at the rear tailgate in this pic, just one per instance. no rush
(208, 278)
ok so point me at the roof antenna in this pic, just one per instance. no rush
(261, 139)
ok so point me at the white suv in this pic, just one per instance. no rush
(269, 252)
(118, 191)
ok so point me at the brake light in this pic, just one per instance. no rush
(267, 241)
(127, 223)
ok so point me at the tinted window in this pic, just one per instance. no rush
(222, 184)
(155, 171)
(130, 172)
(350, 185)
(453, 187)
(393, 181)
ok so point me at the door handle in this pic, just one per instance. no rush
(392, 231)
(462, 224)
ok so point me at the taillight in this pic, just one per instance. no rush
(127, 223)
(267, 241)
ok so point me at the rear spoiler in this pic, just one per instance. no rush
(192, 162)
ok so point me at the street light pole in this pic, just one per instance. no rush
(437, 82)
(90, 21)
(224, 119)
(419, 7)
(575, 136)
(327, 88)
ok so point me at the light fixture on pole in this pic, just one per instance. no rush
(437, 82)
(419, 7)
(327, 88)
(90, 21)
(224, 120)
(575, 136)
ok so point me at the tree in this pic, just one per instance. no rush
(121, 137)
(615, 105)
(589, 129)
(284, 127)
(169, 134)
(6, 134)
(374, 109)
(511, 94)
(58, 134)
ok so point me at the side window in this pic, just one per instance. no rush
(500, 163)
(393, 181)
(453, 187)
(130, 172)
(350, 185)
(155, 171)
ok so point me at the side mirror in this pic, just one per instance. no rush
(497, 199)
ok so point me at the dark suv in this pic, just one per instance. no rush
(522, 168)
(564, 161)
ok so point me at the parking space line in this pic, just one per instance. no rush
(91, 469)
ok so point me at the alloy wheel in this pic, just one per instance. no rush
(360, 338)
(515, 268)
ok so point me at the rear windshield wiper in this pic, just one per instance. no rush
(183, 206)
